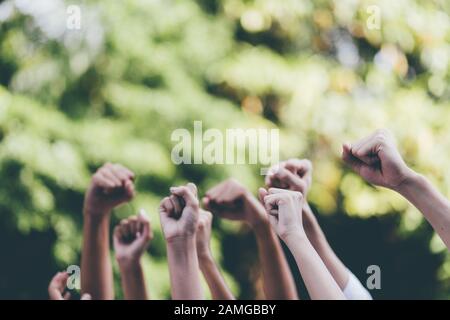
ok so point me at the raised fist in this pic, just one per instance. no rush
(179, 213)
(377, 160)
(283, 207)
(292, 174)
(110, 186)
(132, 237)
(231, 200)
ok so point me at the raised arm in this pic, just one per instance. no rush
(296, 175)
(110, 186)
(131, 238)
(282, 207)
(216, 282)
(231, 200)
(179, 218)
(377, 160)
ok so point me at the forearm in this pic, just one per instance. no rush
(278, 280)
(216, 282)
(433, 205)
(184, 269)
(96, 269)
(318, 280)
(330, 259)
(133, 281)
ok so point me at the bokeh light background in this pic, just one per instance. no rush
(115, 90)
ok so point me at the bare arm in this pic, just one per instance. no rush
(433, 205)
(96, 269)
(318, 280)
(179, 217)
(183, 268)
(231, 200)
(131, 239)
(216, 282)
(282, 207)
(323, 248)
(377, 160)
(133, 281)
(111, 186)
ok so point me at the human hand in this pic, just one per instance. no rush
(58, 285)
(179, 213)
(292, 174)
(203, 236)
(132, 237)
(110, 186)
(231, 200)
(377, 160)
(283, 207)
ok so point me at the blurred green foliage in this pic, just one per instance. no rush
(115, 90)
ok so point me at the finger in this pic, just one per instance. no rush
(261, 194)
(133, 226)
(293, 181)
(125, 228)
(186, 194)
(128, 173)
(166, 206)
(117, 237)
(86, 296)
(129, 189)
(66, 296)
(298, 166)
(193, 188)
(351, 160)
(176, 203)
(103, 182)
(109, 174)
(121, 174)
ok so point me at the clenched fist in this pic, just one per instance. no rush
(292, 174)
(377, 160)
(283, 207)
(110, 186)
(179, 212)
(231, 200)
(132, 237)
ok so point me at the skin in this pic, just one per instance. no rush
(131, 239)
(216, 282)
(57, 286)
(283, 207)
(111, 186)
(230, 200)
(179, 215)
(377, 160)
(296, 175)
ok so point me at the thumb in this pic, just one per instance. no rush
(261, 194)
(352, 161)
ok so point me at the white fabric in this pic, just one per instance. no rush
(354, 290)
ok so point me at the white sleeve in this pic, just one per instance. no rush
(354, 290)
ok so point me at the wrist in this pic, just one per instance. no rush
(294, 236)
(411, 180)
(204, 254)
(128, 263)
(256, 211)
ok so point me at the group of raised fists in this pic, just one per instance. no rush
(280, 211)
